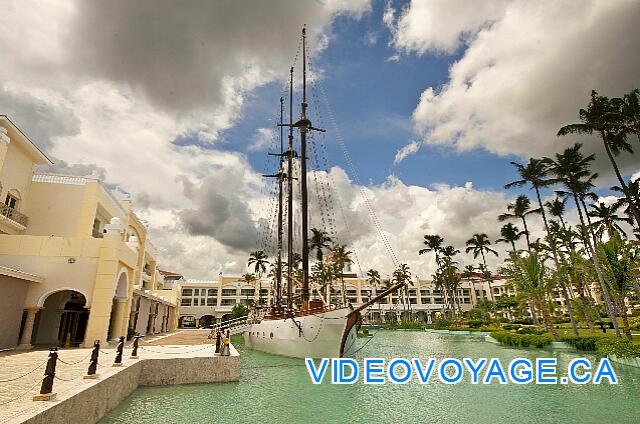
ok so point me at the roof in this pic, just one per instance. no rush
(26, 143)
(22, 275)
(169, 273)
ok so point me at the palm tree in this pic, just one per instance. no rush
(479, 245)
(602, 117)
(319, 241)
(572, 169)
(341, 257)
(520, 209)
(621, 262)
(535, 173)
(259, 261)
(373, 278)
(403, 275)
(607, 219)
(510, 234)
(626, 112)
(529, 276)
(433, 243)
(633, 189)
(556, 208)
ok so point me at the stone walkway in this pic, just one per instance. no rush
(21, 376)
(21, 372)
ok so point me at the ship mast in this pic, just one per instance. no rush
(304, 126)
(290, 154)
(280, 178)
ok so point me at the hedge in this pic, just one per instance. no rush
(620, 348)
(521, 340)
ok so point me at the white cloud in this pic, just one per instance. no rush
(528, 68)
(407, 150)
(109, 87)
(440, 25)
(263, 138)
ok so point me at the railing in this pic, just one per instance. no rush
(234, 326)
(14, 215)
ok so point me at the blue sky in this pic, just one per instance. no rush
(373, 99)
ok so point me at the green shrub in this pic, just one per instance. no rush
(587, 343)
(476, 323)
(509, 338)
(443, 323)
(530, 330)
(619, 347)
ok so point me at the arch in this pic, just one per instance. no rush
(132, 231)
(121, 288)
(44, 297)
(62, 319)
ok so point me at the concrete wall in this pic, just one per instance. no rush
(11, 308)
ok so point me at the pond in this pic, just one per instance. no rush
(275, 389)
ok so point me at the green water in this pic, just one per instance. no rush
(269, 393)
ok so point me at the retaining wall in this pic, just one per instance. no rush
(90, 402)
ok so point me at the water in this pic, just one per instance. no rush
(275, 389)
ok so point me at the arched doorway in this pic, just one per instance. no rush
(62, 319)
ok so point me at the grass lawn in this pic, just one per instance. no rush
(565, 330)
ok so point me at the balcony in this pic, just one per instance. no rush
(13, 217)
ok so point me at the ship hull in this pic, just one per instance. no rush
(328, 334)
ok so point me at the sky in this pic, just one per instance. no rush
(433, 99)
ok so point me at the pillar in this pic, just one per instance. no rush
(27, 332)
(119, 319)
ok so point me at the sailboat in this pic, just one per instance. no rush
(315, 329)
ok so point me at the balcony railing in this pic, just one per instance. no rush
(14, 215)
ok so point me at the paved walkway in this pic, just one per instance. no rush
(21, 376)
(21, 372)
(183, 337)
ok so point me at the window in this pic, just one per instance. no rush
(96, 231)
(247, 292)
(424, 299)
(228, 302)
(264, 292)
(11, 201)
(196, 292)
(211, 301)
(425, 292)
(186, 292)
(185, 302)
(229, 292)
(437, 300)
(213, 292)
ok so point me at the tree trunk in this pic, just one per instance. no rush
(344, 292)
(587, 312)
(526, 232)
(625, 322)
(547, 319)
(513, 245)
(484, 261)
(565, 292)
(598, 265)
(534, 315)
(623, 185)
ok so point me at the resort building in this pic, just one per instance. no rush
(204, 302)
(75, 259)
